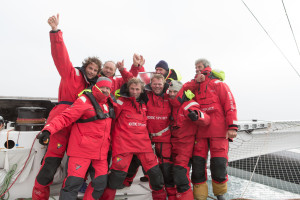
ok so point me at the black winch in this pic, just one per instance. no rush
(30, 118)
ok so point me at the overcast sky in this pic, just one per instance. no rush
(263, 83)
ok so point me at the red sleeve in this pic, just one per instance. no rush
(228, 103)
(126, 75)
(135, 70)
(203, 118)
(191, 85)
(60, 55)
(69, 115)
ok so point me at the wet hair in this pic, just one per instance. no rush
(90, 60)
(136, 81)
(205, 62)
(158, 76)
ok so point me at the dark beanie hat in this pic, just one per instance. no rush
(162, 64)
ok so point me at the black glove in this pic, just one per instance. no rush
(193, 115)
(44, 137)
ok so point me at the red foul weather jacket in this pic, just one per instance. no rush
(183, 129)
(73, 81)
(87, 140)
(216, 99)
(158, 114)
(130, 134)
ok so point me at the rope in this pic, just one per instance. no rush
(7, 134)
(271, 39)
(7, 180)
(290, 27)
(6, 191)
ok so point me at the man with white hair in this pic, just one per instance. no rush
(217, 101)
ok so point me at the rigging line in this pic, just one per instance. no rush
(290, 27)
(271, 39)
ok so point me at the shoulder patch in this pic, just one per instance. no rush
(83, 99)
(190, 104)
(120, 102)
(105, 107)
(77, 72)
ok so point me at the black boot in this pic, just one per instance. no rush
(220, 197)
(144, 179)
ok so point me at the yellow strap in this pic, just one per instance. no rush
(85, 90)
(117, 93)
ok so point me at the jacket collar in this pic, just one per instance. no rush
(89, 81)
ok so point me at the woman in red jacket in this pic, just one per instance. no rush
(130, 137)
(89, 140)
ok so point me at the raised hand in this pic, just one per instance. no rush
(53, 22)
(142, 60)
(120, 65)
(136, 60)
(200, 77)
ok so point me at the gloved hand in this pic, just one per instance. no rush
(193, 115)
(44, 137)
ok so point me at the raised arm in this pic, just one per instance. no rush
(58, 49)
(69, 115)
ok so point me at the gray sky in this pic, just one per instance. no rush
(263, 83)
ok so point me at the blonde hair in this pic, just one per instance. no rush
(158, 76)
(136, 81)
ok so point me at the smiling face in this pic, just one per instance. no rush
(91, 70)
(157, 85)
(109, 69)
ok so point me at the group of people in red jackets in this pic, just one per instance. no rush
(182, 121)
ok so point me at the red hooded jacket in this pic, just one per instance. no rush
(130, 134)
(183, 129)
(87, 140)
(216, 99)
(73, 81)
